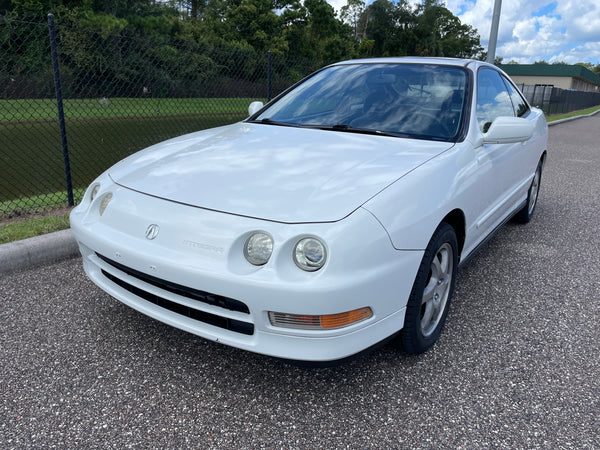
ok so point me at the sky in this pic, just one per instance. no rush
(534, 30)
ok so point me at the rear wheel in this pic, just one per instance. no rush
(430, 297)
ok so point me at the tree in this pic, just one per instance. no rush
(329, 38)
(321, 19)
(295, 22)
(389, 26)
(441, 33)
(255, 22)
(350, 13)
(428, 30)
(590, 66)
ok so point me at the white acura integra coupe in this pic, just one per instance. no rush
(330, 220)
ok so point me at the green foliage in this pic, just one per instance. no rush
(298, 28)
(590, 66)
(430, 29)
(171, 33)
(254, 22)
(351, 13)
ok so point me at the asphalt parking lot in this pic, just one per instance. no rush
(517, 366)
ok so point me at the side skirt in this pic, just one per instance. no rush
(492, 233)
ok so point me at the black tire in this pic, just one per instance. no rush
(526, 213)
(432, 290)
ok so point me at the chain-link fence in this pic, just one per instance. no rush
(123, 91)
(120, 93)
(553, 100)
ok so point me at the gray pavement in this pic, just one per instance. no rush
(517, 365)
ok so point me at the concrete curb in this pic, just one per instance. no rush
(569, 119)
(37, 251)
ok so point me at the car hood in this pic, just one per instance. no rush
(277, 173)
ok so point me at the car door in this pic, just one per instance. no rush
(498, 163)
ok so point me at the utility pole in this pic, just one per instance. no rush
(491, 54)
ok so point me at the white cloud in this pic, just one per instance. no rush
(552, 30)
(581, 53)
(581, 18)
(563, 30)
(525, 30)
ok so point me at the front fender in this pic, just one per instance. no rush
(412, 208)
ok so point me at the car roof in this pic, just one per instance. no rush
(457, 62)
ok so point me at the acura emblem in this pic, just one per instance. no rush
(152, 231)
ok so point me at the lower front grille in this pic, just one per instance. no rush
(226, 323)
(184, 291)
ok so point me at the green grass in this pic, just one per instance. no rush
(31, 154)
(38, 203)
(81, 109)
(581, 112)
(15, 231)
(99, 135)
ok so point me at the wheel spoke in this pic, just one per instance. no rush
(436, 268)
(444, 288)
(444, 262)
(427, 315)
(429, 291)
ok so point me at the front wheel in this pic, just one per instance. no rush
(526, 213)
(432, 290)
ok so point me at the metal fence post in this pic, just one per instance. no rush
(59, 104)
(269, 70)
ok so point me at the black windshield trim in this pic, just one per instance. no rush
(343, 128)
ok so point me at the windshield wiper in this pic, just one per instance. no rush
(268, 121)
(346, 129)
(350, 129)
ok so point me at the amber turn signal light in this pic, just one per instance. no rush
(324, 322)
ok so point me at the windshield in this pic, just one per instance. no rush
(412, 100)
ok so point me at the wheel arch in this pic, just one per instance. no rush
(456, 219)
(544, 157)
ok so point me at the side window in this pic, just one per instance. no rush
(492, 99)
(519, 104)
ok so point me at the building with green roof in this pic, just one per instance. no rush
(563, 76)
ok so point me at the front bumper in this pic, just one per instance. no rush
(194, 276)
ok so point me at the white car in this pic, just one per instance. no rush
(331, 220)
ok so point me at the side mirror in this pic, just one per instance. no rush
(508, 130)
(255, 107)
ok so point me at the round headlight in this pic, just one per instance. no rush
(310, 254)
(258, 248)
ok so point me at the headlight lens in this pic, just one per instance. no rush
(258, 248)
(310, 254)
